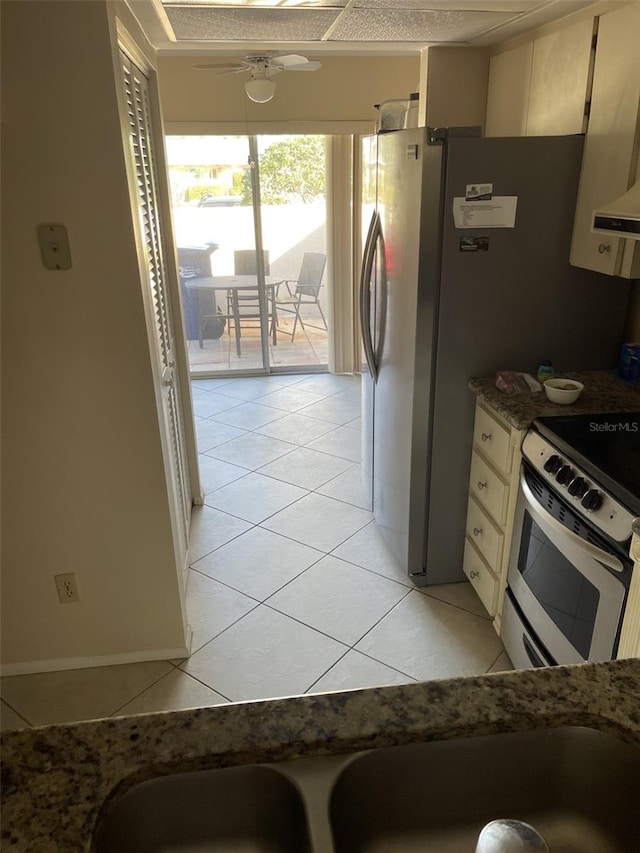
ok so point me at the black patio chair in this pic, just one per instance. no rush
(306, 291)
(247, 303)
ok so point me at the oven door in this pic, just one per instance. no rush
(571, 591)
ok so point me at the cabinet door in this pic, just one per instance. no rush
(559, 81)
(608, 163)
(508, 94)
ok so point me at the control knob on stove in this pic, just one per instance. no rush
(592, 500)
(578, 487)
(553, 463)
(565, 475)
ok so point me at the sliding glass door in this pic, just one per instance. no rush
(250, 224)
(293, 205)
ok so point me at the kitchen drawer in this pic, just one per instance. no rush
(488, 489)
(493, 440)
(482, 578)
(484, 534)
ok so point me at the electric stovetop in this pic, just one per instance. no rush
(605, 446)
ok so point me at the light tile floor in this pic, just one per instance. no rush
(291, 587)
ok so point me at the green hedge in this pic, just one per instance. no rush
(196, 191)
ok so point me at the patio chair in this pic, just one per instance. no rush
(247, 303)
(306, 292)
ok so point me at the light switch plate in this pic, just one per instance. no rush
(54, 247)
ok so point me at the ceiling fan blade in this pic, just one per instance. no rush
(308, 66)
(218, 68)
(289, 59)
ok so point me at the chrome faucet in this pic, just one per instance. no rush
(510, 836)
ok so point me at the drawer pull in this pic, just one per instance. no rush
(473, 575)
(603, 248)
(486, 436)
(477, 531)
(482, 485)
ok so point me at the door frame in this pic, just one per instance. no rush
(342, 264)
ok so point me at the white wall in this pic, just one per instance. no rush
(345, 89)
(83, 478)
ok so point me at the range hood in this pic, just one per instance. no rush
(621, 217)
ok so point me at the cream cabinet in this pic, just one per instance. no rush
(493, 491)
(629, 646)
(609, 164)
(559, 85)
(508, 92)
(541, 87)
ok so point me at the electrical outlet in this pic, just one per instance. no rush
(67, 588)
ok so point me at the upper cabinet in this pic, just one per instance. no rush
(453, 86)
(610, 161)
(559, 87)
(557, 83)
(540, 88)
(508, 93)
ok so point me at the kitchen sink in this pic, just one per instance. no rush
(578, 787)
(249, 809)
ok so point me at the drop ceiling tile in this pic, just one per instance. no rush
(249, 24)
(274, 4)
(515, 6)
(405, 25)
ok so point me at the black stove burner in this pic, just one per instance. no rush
(606, 446)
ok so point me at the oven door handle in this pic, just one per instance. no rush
(536, 510)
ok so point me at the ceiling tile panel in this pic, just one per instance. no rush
(269, 4)
(516, 7)
(250, 24)
(416, 26)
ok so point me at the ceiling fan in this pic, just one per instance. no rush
(262, 67)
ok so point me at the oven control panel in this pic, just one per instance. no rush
(576, 488)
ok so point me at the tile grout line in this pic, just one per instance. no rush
(17, 713)
(286, 583)
(220, 633)
(148, 687)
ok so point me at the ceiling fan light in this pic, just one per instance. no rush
(260, 90)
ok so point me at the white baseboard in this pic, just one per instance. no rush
(30, 667)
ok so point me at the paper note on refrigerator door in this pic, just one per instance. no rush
(500, 212)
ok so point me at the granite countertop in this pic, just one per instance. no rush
(603, 392)
(56, 778)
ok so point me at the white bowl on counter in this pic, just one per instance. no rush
(563, 391)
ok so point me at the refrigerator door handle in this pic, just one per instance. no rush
(381, 299)
(365, 294)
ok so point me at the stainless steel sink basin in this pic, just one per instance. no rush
(235, 810)
(578, 787)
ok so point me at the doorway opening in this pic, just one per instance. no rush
(250, 225)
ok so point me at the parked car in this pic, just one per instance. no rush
(220, 200)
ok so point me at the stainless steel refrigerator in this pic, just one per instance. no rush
(440, 304)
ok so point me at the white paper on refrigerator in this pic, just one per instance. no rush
(500, 212)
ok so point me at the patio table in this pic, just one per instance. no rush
(232, 284)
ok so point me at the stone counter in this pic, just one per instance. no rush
(56, 778)
(603, 392)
